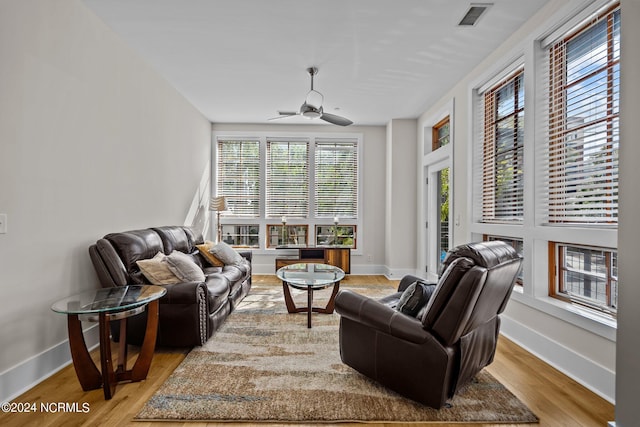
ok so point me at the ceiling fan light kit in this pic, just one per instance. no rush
(312, 107)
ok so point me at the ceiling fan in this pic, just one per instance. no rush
(312, 107)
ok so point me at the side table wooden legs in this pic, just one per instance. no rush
(291, 306)
(88, 374)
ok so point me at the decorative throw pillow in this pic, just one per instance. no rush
(184, 267)
(205, 251)
(415, 298)
(157, 271)
(226, 254)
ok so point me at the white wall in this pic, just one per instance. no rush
(582, 348)
(91, 141)
(370, 256)
(401, 207)
(628, 339)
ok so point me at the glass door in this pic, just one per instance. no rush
(438, 213)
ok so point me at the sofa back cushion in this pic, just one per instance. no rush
(181, 239)
(132, 246)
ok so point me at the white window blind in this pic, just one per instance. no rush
(579, 161)
(336, 178)
(238, 176)
(287, 179)
(499, 165)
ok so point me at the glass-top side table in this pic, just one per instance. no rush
(106, 305)
(310, 277)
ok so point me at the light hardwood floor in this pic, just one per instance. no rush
(555, 398)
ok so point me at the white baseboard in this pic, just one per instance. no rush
(356, 269)
(593, 376)
(22, 377)
(398, 273)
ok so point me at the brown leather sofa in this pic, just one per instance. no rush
(428, 359)
(189, 312)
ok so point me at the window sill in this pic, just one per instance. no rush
(599, 324)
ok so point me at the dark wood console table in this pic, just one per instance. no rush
(338, 256)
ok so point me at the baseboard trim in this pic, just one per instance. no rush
(593, 376)
(356, 269)
(24, 376)
(398, 273)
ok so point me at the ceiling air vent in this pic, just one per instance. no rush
(475, 11)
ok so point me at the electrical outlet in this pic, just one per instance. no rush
(3, 223)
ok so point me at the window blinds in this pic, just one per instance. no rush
(579, 161)
(287, 179)
(502, 150)
(238, 176)
(336, 178)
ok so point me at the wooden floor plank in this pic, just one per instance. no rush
(554, 397)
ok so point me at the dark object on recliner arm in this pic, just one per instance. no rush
(189, 312)
(430, 359)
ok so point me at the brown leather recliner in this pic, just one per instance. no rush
(429, 359)
(189, 312)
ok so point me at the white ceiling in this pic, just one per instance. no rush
(240, 61)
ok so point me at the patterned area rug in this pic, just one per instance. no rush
(264, 365)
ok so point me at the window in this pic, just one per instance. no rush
(309, 179)
(336, 179)
(279, 235)
(341, 235)
(517, 244)
(502, 157)
(238, 176)
(581, 158)
(441, 133)
(568, 158)
(287, 179)
(239, 235)
(585, 275)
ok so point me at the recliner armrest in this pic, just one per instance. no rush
(409, 279)
(373, 314)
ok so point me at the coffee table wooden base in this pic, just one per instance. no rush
(88, 374)
(291, 306)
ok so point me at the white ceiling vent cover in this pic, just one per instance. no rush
(475, 11)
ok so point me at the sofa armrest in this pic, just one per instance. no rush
(183, 293)
(248, 255)
(375, 315)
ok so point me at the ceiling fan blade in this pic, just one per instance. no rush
(284, 115)
(336, 120)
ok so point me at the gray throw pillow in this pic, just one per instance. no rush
(415, 298)
(184, 267)
(226, 254)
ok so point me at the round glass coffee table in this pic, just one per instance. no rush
(106, 305)
(310, 277)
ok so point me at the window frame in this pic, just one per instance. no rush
(557, 287)
(436, 138)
